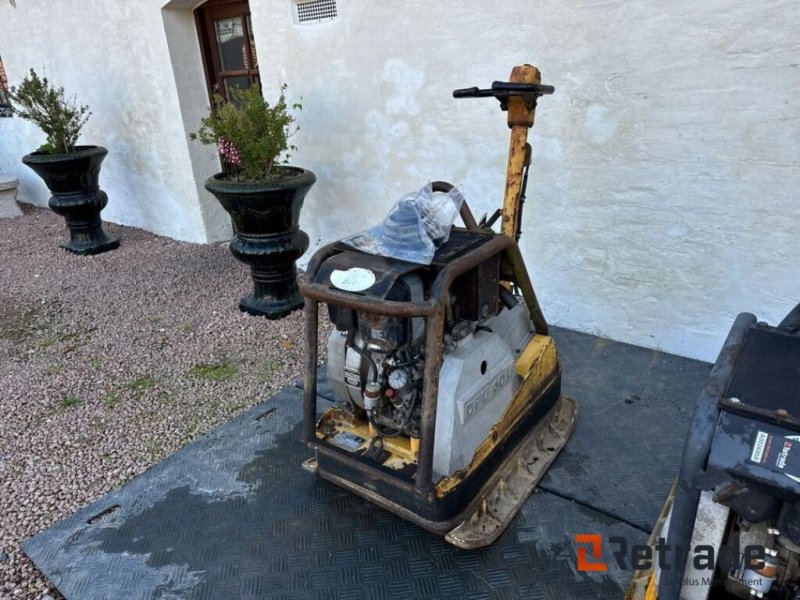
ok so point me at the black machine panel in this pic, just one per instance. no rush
(757, 436)
(386, 270)
(476, 290)
(460, 242)
(758, 452)
(767, 372)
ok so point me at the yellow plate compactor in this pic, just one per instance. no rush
(448, 387)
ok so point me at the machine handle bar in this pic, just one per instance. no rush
(502, 90)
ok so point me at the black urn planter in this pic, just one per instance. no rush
(76, 195)
(268, 238)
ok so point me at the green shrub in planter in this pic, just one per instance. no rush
(261, 193)
(71, 172)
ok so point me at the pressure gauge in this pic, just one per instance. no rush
(398, 379)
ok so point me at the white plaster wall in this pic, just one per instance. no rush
(663, 197)
(114, 56)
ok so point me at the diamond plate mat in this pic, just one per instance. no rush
(233, 515)
(634, 410)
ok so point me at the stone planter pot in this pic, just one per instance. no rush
(267, 238)
(8, 197)
(76, 195)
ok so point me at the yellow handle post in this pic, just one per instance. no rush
(520, 120)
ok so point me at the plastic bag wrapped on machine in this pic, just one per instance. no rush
(416, 225)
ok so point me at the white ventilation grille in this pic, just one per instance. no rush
(314, 11)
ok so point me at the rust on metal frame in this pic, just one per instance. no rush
(433, 310)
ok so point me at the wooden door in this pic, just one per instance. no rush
(229, 51)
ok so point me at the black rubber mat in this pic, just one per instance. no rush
(634, 409)
(234, 516)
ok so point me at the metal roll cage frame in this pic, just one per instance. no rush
(433, 310)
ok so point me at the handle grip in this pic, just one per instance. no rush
(472, 92)
(514, 89)
(502, 90)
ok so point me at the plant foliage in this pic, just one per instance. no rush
(61, 119)
(252, 136)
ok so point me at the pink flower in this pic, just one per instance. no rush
(229, 151)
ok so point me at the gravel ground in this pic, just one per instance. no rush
(110, 363)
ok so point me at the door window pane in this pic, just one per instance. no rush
(235, 83)
(230, 39)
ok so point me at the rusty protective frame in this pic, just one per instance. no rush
(435, 314)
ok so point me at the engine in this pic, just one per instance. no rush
(776, 572)
(376, 363)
